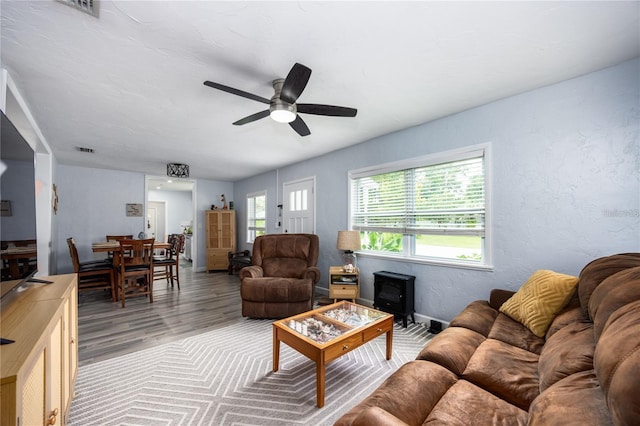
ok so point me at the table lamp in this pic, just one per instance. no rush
(349, 241)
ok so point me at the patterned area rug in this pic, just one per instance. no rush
(224, 377)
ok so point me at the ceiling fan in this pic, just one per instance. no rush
(282, 105)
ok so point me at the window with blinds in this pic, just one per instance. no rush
(256, 215)
(427, 208)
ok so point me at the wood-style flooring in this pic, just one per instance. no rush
(205, 301)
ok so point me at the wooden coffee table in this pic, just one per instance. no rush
(329, 332)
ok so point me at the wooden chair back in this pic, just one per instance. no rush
(118, 238)
(92, 275)
(73, 252)
(134, 262)
(164, 267)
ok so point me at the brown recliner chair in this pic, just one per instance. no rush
(282, 278)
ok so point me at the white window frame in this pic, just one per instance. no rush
(408, 253)
(252, 229)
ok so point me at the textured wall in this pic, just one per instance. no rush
(93, 204)
(566, 187)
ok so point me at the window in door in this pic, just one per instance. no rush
(299, 202)
(256, 215)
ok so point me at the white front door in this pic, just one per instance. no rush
(299, 206)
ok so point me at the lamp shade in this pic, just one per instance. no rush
(349, 241)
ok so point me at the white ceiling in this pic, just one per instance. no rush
(129, 84)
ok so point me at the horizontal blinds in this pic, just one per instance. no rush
(445, 198)
(256, 213)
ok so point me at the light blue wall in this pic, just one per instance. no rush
(566, 186)
(92, 204)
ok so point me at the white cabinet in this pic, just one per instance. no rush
(188, 248)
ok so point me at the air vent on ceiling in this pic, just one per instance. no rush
(87, 6)
(83, 149)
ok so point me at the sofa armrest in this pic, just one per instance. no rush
(377, 416)
(312, 272)
(498, 297)
(253, 271)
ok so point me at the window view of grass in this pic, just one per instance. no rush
(450, 246)
(442, 246)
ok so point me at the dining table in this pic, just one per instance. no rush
(114, 246)
(14, 255)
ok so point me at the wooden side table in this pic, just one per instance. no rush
(343, 285)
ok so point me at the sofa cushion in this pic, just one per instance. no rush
(277, 290)
(617, 363)
(598, 270)
(506, 371)
(477, 316)
(570, 314)
(467, 404)
(452, 348)
(538, 301)
(512, 332)
(576, 400)
(615, 291)
(408, 394)
(377, 416)
(568, 351)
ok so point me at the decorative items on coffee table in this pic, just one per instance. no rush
(343, 284)
(329, 332)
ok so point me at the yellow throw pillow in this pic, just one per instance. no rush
(540, 299)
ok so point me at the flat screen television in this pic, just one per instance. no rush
(18, 194)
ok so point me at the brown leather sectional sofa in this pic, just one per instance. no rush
(487, 369)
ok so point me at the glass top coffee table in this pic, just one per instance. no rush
(329, 332)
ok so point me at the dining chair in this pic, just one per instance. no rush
(168, 266)
(134, 265)
(118, 238)
(92, 275)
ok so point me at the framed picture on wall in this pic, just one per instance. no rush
(5, 208)
(134, 210)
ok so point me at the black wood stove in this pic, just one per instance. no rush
(394, 293)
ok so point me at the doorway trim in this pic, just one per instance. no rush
(194, 204)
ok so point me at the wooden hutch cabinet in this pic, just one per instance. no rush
(221, 238)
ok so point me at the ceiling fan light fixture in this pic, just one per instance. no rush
(282, 115)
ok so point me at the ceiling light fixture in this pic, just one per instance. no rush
(177, 170)
(279, 110)
(282, 115)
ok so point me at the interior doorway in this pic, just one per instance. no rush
(170, 209)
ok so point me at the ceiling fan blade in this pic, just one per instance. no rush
(236, 92)
(300, 126)
(332, 110)
(252, 118)
(295, 83)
